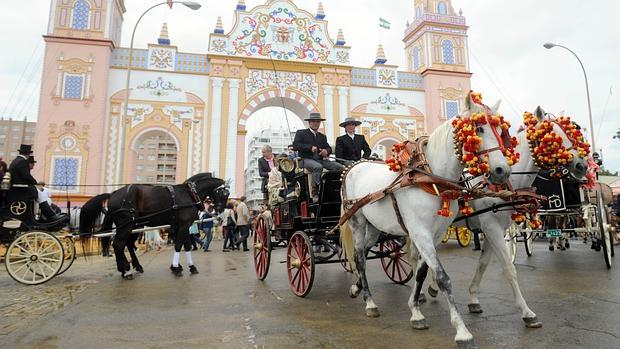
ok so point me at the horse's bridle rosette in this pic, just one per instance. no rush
(547, 146)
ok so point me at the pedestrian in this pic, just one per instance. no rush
(228, 227)
(153, 239)
(194, 236)
(207, 227)
(351, 147)
(243, 223)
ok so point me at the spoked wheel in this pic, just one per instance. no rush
(463, 236)
(34, 258)
(511, 241)
(262, 249)
(70, 255)
(528, 240)
(603, 227)
(300, 264)
(448, 233)
(395, 264)
(344, 261)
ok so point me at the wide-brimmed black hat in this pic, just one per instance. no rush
(314, 117)
(350, 121)
(25, 149)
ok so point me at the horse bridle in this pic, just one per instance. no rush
(502, 139)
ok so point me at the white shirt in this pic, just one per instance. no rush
(44, 195)
(352, 135)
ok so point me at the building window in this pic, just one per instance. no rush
(80, 15)
(442, 9)
(416, 58)
(65, 173)
(418, 12)
(447, 52)
(452, 109)
(73, 86)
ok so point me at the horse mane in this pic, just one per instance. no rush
(201, 177)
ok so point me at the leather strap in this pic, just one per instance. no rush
(398, 215)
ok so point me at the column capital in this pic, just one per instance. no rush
(217, 81)
(328, 89)
(343, 90)
(234, 83)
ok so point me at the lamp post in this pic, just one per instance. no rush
(550, 45)
(191, 5)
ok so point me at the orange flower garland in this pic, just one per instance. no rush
(547, 146)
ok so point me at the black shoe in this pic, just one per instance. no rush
(246, 249)
(477, 248)
(225, 250)
(193, 270)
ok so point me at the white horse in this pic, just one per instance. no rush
(419, 212)
(495, 225)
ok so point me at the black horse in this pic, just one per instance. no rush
(139, 205)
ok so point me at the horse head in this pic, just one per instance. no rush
(482, 140)
(557, 142)
(217, 190)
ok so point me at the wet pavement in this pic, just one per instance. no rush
(90, 306)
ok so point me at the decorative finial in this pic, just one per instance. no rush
(163, 35)
(241, 5)
(408, 24)
(219, 27)
(380, 55)
(340, 39)
(461, 12)
(320, 12)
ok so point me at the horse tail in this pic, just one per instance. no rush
(89, 214)
(347, 243)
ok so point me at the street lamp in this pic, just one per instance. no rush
(550, 45)
(191, 5)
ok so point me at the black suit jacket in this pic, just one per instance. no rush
(350, 149)
(20, 172)
(263, 171)
(305, 140)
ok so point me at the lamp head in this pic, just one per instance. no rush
(192, 5)
(549, 45)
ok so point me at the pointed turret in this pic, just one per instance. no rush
(241, 5)
(380, 55)
(320, 12)
(219, 27)
(163, 35)
(340, 39)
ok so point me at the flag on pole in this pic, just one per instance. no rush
(383, 23)
(170, 3)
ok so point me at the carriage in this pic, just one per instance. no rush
(570, 209)
(309, 231)
(35, 251)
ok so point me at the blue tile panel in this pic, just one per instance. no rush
(192, 63)
(408, 80)
(80, 15)
(185, 62)
(73, 86)
(121, 55)
(363, 77)
(65, 173)
(452, 109)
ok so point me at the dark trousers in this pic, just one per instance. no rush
(244, 232)
(229, 237)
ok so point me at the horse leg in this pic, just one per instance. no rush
(498, 244)
(131, 246)
(474, 287)
(188, 254)
(363, 242)
(417, 320)
(177, 269)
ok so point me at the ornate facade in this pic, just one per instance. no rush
(275, 55)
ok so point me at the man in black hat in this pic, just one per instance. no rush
(350, 145)
(22, 180)
(314, 150)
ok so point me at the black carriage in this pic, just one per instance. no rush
(570, 209)
(309, 230)
(34, 252)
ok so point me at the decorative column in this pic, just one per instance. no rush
(231, 137)
(328, 92)
(216, 120)
(343, 103)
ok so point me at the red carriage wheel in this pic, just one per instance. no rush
(262, 249)
(344, 261)
(300, 264)
(395, 264)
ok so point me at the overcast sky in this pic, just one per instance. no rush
(505, 40)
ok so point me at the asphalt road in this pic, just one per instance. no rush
(572, 292)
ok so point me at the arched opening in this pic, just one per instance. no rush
(442, 8)
(383, 148)
(153, 158)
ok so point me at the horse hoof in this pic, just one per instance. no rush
(419, 324)
(422, 298)
(475, 308)
(193, 270)
(354, 291)
(177, 271)
(551, 248)
(432, 292)
(532, 322)
(372, 312)
(468, 344)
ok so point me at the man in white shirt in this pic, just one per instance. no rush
(44, 193)
(243, 223)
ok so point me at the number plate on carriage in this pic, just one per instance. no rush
(554, 233)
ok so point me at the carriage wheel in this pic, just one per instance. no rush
(395, 264)
(34, 257)
(300, 264)
(344, 261)
(70, 255)
(511, 241)
(528, 240)
(603, 229)
(262, 249)
(448, 233)
(463, 236)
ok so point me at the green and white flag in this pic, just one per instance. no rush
(383, 23)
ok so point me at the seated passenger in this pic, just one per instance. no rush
(351, 147)
(314, 151)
